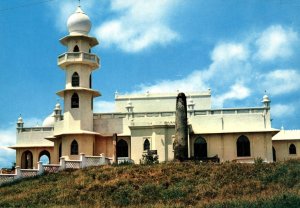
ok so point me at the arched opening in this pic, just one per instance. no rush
(200, 148)
(274, 154)
(75, 101)
(243, 146)
(146, 145)
(76, 48)
(59, 151)
(90, 80)
(27, 160)
(44, 156)
(292, 149)
(74, 147)
(122, 148)
(75, 79)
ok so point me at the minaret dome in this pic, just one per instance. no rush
(79, 23)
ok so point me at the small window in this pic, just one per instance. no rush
(76, 48)
(146, 145)
(90, 51)
(74, 148)
(90, 80)
(243, 146)
(75, 101)
(292, 149)
(92, 103)
(75, 80)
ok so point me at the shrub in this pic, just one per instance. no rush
(148, 159)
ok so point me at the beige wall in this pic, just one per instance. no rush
(282, 149)
(85, 145)
(35, 155)
(223, 145)
(104, 145)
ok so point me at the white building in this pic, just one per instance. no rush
(141, 122)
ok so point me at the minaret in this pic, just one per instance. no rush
(78, 62)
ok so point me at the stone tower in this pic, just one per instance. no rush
(74, 134)
(181, 129)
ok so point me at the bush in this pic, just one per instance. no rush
(149, 159)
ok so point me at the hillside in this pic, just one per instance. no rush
(162, 185)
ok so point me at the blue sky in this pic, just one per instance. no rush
(236, 48)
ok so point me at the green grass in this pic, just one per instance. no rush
(162, 185)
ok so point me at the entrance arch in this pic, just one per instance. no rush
(200, 148)
(27, 160)
(122, 148)
(44, 156)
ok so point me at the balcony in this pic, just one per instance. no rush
(78, 57)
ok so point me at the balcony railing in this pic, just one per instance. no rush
(78, 57)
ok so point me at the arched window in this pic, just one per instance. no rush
(146, 145)
(200, 148)
(74, 148)
(75, 101)
(44, 156)
(75, 80)
(292, 149)
(243, 146)
(90, 80)
(122, 148)
(27, 160)
(76, 48)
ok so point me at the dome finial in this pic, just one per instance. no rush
(79, 23)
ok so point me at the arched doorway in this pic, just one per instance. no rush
(44, 156)
(243, 146)
(27, 160)
(200, 148)
(122, 148)
(274, 154)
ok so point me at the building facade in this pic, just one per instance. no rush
(140, 122)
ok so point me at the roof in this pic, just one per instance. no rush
(287, 135)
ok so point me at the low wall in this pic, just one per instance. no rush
(85, 161)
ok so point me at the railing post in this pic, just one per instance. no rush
(40, 168)
(83, 160)
(18, 172)
(62, 163)
(102, 159)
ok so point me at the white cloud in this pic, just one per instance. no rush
(7, 138)
(282, 110)
(104, 106)
(237, 92)
(226, 52)
(139, 25)
(280, 81)
(276, 42)
(192, 83)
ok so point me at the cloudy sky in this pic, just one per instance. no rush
(238, 49)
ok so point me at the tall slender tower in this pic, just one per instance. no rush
(74, 134)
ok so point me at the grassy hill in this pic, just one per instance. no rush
(162, 185)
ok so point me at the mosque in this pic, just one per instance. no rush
(142, 122)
